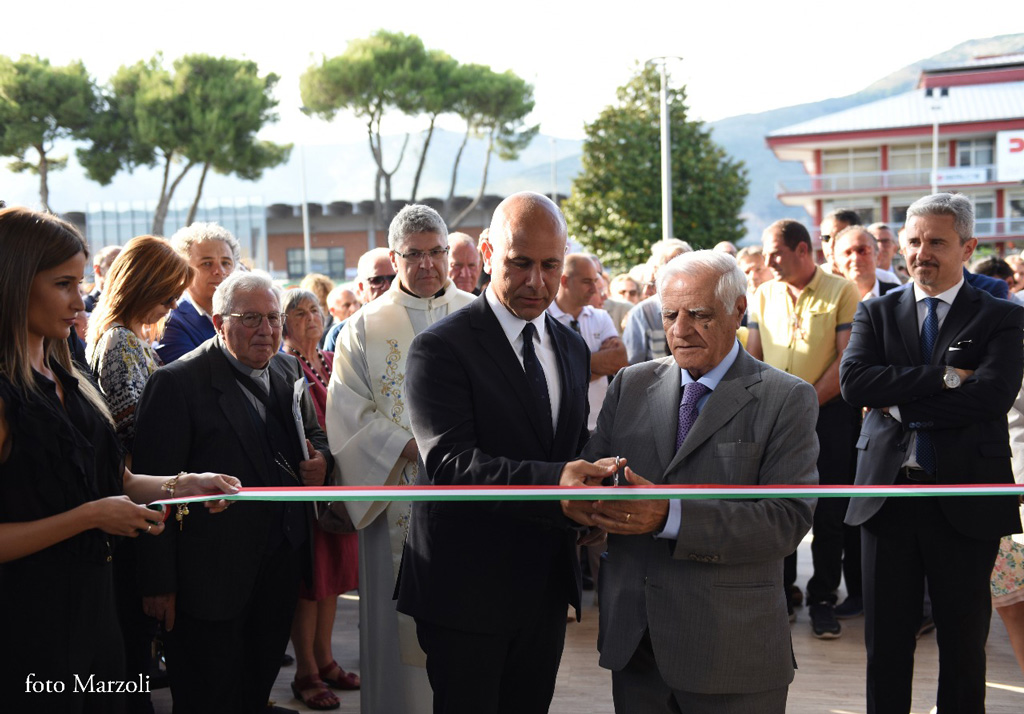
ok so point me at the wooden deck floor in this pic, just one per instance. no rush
(830, 679)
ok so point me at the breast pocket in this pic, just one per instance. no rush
(741, 461)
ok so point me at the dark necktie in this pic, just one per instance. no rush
(692, 394)
(925, 451)
(575, 325)
(535, 375)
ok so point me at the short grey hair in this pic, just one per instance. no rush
(238, 282)
(947, 204)
(662, 249)
(186, 238)
(295, 297)
(731, 285)
(415, 218)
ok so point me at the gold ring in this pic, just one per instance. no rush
(628, 516)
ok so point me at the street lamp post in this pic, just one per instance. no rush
(936, 108)
(666, 149)
(307, 258)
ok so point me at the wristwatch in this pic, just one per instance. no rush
(951, 380)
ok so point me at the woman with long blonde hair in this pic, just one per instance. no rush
(142, 286)
(65, 492)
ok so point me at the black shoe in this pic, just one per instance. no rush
(823, 621)
(927, 625)
(287, 660)
(849, 608)
(796, 597)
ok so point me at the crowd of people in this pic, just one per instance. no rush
(874, 358)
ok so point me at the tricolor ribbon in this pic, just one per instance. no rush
(596, 493)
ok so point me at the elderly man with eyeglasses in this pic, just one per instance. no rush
(368, 427)
(225, 587)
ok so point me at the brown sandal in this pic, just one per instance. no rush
(334, 676)
(313, 692)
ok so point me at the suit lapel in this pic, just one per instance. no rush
(726, 400)
(565, 377)
(962, 310)
(494, 342)
(236, 411)
(906, 324)
(663, 404)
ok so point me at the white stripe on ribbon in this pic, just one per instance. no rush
(596, 493)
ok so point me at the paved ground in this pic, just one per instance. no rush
(830, 679)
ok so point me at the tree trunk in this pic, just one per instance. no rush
(44, 187)
(166, 193)
(199, 194)
(455, 172)
(483, 185)
(423, 159)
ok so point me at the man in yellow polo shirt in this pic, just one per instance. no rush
(800, 323)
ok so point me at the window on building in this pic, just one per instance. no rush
(911, 164)
(1015, 212)
(898, 215)
(867, 209)
(851, 168)
(974, 152)
(329, 261)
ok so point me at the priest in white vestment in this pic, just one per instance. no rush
(372, 443)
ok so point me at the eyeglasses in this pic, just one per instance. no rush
(415, 256)
(253, 320)
(378, 280)
(170, 303)
(826, 238)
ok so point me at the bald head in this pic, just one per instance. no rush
(374, 274)
(524, 252)
(464, 265)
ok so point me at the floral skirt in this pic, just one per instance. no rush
(1008, 575)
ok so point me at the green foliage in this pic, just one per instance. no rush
(394, 72)
(615, 206)
(493, 105)
(384, 72)
(39, 104)
(207, 113)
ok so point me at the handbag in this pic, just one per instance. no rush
(333, 517)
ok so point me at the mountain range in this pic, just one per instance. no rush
(344, 172)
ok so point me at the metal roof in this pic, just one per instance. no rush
(979, 62)
(971, 103)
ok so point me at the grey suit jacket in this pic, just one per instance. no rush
(713, 599)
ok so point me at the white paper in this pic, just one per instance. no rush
(297, 390)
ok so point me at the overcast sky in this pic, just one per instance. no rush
(735, 59)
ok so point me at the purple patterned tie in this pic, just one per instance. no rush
(692, 394)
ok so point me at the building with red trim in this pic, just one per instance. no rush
(877, 158)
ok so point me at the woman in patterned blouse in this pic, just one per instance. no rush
(142, 286)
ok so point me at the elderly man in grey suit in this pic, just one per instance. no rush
(693, 612)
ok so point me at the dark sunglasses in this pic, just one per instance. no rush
(378, 280)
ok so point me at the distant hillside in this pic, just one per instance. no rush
(743, 136)
(334, 172)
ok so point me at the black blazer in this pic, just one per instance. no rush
(193, 417)
(485, 566)
(882, 367)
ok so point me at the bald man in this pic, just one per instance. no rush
(497, 395)
(464, 266)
